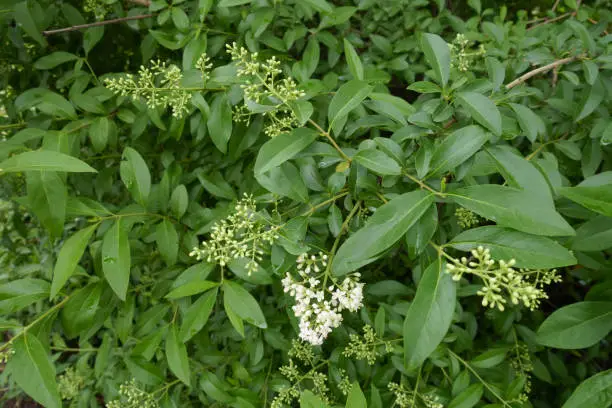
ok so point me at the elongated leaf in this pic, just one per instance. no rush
(429, 315)
(220, 122)
(483, 110)
(531, 124)
(595, 198)
(309, 400)
(197, 315)
(44, 160)
(167, 241)
(457, 148)
(282, 148)
(378, 162)
(135, 175)
(54, 59)
(353, 61)
(69, 257)
(388, 224)
(437, 55)
(176, 354)
(468, 397)
(529, 251)
(513, 208)
(356, 399)
(320, 5)
(23, 16)
(591, 101)
(347, 98)
(244, 304)
(576, 326)
(594, 235)
(32, 370)
(47, 196)
(116, 259)
(418, 236)
(78, 314)
(19, 293)
(191, 288)
(595, 391)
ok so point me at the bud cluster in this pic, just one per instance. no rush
(366, 347)
(461, 56)
(131, 396)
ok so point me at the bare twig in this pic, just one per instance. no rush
(96, 24)
(551, 20)
(554, 7)
(145, 3)
(540, 70)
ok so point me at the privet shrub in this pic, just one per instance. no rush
(249, 203)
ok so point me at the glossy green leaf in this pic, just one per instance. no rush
(69, 257)
(531, 124)
(78, 313)
(320, 5)
(191, 288)
(352, 59)
(576, 326)
(47, 197)
(20, 293)
(355, 398)
(135, 175)
(483, 110)
(437, 55)
(176, 354)
(24, 18)
(167, 241)
(282, 148)
(468, 397)
(458, 147)
(220, 122)
(594, 235)
(383, 229)
(197, 315)
(44, 160)
(378, 162)
(595, 198)
(514, 208)
(429, 315)
(347, 98)
(116, 260)
(32, 370)
(179, 200)
(54, 59)
(244, 304)
(595, 391)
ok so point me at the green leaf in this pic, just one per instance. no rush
(197, 315)
(590, 101)
(284, 180)
(79, 312)
(24, 18)
(135, 175)
(531, 124)
(309, 400)
(347, 98)
(352, 59)
(424, 87)
(594, 235)
(468, 397)
(179, 201)
(282, 148)
(46, 101)
(437, 54)
(356, 399)
(44, 160)
(176, 354)
(378, 162)
(167, 241)
(32, 370)
(99, 132)
(116, 259)
(483, 110)
(429, 315)
(418, 236)
(220, 122)
(69, 257)
(457, 148)
(529, 251)
(191, 288)
(489, 358)
(17, 294)
(54, 59)
(320, 5)
(232, 3)
(180, 19)
(243, 304)
(595, 198)
(595, 391)
(383, 229)
(579, 325)
(514, 208)
(235, 320)
(47, 197)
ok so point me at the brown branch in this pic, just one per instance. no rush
(552, 20)
(145, 3)
(554, 7)
(96, 24)
(540, 70)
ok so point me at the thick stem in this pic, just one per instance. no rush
(96, 24)
(540, 70)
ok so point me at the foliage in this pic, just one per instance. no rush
(249, 203)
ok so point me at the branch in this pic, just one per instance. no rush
(538, 71)
(145, 3)
(96, 24)
(551, 20)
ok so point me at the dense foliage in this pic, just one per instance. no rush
(314, 203)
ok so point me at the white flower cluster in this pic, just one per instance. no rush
(240, 235)
(318, 307)
(131, 396)
(262, 86)
(523, 285)
(160, 86)
(461, 57)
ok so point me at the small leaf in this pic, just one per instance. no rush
(32, 370)
(69, 257)
(220, 122)
(135, 175)
(483, 110)
(458, 147)
(531, 124)
(244, 304)
(197, 315)
(191, 288)
(179, 201)
(437, 54)
(424, 87)
(116, 259)
(347, 98)
(167, 241)
(579, 325)
(378, 162)
(282, 148)
(356, 399)
(54, 59)
(429, 315)
(176, 354)
(353, 61)
(44, 160)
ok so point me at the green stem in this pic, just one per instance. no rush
(343, 228)
(11, 126)
(423, 185)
